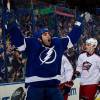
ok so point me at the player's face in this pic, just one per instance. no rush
(46, 39)
(89, 48)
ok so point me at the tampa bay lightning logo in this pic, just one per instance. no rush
(48, 56)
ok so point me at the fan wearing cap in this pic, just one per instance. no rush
(44, 55)
(88, 66)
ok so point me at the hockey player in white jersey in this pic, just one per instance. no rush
(66, 77)
(88, 66)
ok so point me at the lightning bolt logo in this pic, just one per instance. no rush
(48, 56)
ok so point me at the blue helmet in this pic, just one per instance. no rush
(40, 32)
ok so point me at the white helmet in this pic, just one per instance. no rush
(92, 41)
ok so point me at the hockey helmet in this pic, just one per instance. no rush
(92, 41)
(40, 32)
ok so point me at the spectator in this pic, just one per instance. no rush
(16, 66)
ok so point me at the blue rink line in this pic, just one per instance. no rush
(12, 83)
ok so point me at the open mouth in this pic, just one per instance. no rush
(49, 39)
(49, 42)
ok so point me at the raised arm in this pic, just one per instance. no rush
(76, 32)
(15, 34)
(14, 31)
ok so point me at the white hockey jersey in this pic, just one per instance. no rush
(66, 70)
(89, 67)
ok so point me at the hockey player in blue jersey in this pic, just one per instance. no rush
(44, 54)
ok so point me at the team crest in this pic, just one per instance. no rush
(86, 65)
(48, 56)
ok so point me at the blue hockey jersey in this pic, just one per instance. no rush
(43, 66)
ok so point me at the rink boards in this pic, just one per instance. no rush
(14, 91)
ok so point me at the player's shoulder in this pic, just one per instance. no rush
(64, 57)
(97, 56)
(31, 40)
(82, 54)
(59, 38)
(56, 39)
